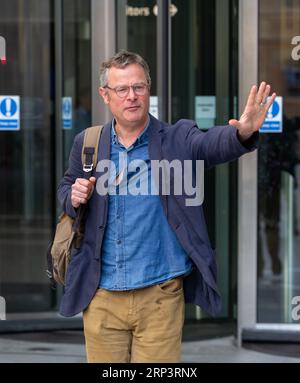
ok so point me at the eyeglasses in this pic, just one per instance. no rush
(123, 90)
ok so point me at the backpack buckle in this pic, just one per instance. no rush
(87, 168)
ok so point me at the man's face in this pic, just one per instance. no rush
(132, 110)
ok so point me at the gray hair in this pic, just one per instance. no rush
(121, 60)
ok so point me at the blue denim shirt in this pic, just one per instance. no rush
(139, 247)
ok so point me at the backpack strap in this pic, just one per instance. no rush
(89, 161)
(89, 152)
(89, 156)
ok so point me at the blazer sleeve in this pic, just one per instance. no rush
(219, 144)
(73, 172)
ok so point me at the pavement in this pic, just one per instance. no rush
(68, 347)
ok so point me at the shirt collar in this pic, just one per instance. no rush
(142, 137)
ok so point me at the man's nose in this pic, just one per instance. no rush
(131, 93)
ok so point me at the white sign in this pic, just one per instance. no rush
(173, 10)
(153, 108)
(273, 121)
(205, 111)
(67, 112)
(9, 113)
(146, 11)
(205, 106)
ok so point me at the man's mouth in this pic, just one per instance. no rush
(132, 108)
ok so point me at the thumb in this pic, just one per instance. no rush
(234, 123)
(92, 180)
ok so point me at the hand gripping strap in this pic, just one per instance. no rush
(89, 157)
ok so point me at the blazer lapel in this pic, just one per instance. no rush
(155, 139)
(156, 153)
(104, 146)
(103, 154)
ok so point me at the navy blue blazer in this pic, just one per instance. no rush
(181, 141)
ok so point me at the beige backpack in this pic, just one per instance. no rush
(69, 231)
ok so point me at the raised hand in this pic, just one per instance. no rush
(255, 111)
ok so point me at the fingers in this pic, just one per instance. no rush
(266, 93)
(76, 201)
(93, 180)
(83, 181)
(258, 96)
(79, 187)
(82, 190)
(252, 95)
(263, 94)
(270, 101)
(234, 123)
(261, 91)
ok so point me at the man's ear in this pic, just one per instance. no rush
(104, 94)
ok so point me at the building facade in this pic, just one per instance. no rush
(203, 57)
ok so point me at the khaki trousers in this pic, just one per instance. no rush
(142, 325)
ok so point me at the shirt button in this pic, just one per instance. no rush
(119, 241)
(118, 217)
(120, 265)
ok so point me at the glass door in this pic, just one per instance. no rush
(202, 79)
(278, 271)
(26, 153)
(204, 88)
(45, 100)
